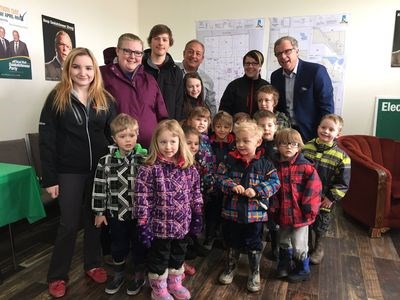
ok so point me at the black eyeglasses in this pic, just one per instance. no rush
(286, 52)
(291, 145)
(128, 52)
(253, 64)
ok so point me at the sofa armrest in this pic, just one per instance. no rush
(368, 198)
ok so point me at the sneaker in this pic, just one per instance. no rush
(135, 286)
(114, 285)
(57, 288)
(98, 275)
(189, 269)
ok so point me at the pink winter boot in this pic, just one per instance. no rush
(175, 284)
(158, 285)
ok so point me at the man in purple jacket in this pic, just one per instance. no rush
(135, 91)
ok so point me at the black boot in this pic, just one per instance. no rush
(273, 254)
(284, 262)
(253, 282)
(115, 283)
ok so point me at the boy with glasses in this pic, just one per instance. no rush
(295, 206)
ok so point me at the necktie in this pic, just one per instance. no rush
(16, 47)
(4, 44)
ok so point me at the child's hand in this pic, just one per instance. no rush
(250, 192)
(326, 203)
(53, 191)
(98, 220)
(238, 189)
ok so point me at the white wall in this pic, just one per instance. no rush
(368, 41)
(99, 23)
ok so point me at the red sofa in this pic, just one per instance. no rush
(373, 197)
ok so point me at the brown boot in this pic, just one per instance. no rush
(318, 253)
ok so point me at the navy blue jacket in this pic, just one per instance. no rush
(312, 97)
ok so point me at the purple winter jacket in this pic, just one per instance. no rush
(167, 199)
(139, 97)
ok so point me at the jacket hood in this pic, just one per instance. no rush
(139, 150)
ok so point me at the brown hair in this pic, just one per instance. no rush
(200, 111)
(288, 135)
(338, 120)
(241, 117)
(261, 114)
(224, 118)
(256, 55)
(160, 29)
(269, 89)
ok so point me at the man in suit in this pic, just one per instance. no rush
(305, 88)
(4, 44)
(17, 47)
(62, 46)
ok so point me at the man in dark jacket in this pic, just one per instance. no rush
(159, 63)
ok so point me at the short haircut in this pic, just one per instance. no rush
(122, 122)
(261, 114)
(188, 130)
(224, 118)
(256, 55)
(194, 41)
(292, 41)
(249, 127)
(128, 37)
(241, 117)
(269, 89)
(160, 29)
(338, 120)
(200, 111)
(288, 135)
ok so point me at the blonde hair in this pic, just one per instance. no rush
(183, 150)
(122, 122)
(288, 135)
(63, 89)
(248, 126)
(338, 120)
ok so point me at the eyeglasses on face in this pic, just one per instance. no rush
(291, 145)
(128, 52)
(253, 64)
(286, 52)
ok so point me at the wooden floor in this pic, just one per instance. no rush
(354, 267)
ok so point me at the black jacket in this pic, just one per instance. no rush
(170, 80)
(239, 95)
(72, 142)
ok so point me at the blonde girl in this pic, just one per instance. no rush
(168, 206)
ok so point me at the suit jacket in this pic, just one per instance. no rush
(53, 70)
(21, 51)
(4, 53)
(312, 96)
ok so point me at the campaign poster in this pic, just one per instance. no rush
(396, 41)
(15, 62)
(58, 40)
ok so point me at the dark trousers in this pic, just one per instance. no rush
(243, 236)
(166, 253)
(124, 237)
(74, 200)
(212, 213)
(322, 222)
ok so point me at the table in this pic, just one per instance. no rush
(19, 197)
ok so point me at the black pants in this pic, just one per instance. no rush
(212, 213)
(166, 253)
(243, 236)
(124, 237)
(74, 200)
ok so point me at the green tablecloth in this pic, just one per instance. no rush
(19, 194)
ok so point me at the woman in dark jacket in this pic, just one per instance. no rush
(239, 95)
(74, 133)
